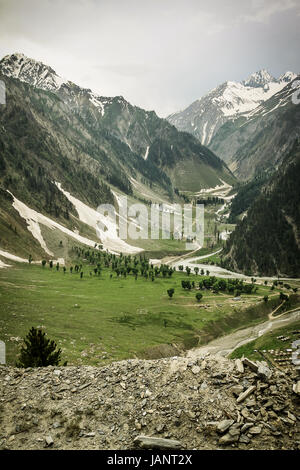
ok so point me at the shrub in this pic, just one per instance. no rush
(170, 292)
(283, 296)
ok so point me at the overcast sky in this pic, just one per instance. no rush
(158, 54)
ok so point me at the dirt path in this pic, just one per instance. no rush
(272, 317)
(226, 344)
(215, 270)
(175, 261)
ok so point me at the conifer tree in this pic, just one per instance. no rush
(38, 350)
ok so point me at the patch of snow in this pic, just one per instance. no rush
(287, 77)
(218, 190)
(240, 99)
(211, 133)
(3, 265)
(146, 153)
(8, 255)
(34, 218)
(105, 227)
(32, 71)
(97, 101)
(127, 142)
(203, 140)
(224, 235)
(221, 209)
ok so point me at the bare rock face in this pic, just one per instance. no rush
(150, 404)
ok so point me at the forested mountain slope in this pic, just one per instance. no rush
(267, 240)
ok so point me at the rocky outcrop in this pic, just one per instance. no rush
(208, 403)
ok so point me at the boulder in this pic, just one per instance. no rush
(49, 441)
(228, 439)
(224, 425)
(250, 364)
(239, 366)
(246, 394)
(264, 372)
(255, 430)
(147, 442)
(296, 388)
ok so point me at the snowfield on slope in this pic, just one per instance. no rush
(8, 255)
(3, 265)
(220, 191)
(34, 219)
(106, 227)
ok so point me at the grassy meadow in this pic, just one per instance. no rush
(95, 319)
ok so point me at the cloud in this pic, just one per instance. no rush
(264, 9)
(158, 54)
(127, 70)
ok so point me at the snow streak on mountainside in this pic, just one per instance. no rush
(228, 101)
(34, 219)
(106, 227)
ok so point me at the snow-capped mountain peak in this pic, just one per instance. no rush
(259, 79)
(287, 77)
(226, 102)
(31, 71)
(42, 76)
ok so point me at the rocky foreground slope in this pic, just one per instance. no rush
(206, 403)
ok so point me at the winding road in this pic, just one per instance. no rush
(214, 270)
(224, 345)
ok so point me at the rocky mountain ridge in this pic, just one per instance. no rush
(230, 100)
(259, 142)
(153, 139)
